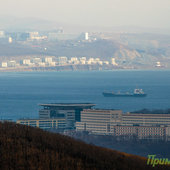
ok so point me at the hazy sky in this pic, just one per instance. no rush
(149, 13)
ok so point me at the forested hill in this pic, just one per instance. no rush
(23, 147)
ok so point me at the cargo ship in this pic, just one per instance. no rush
(136, 93)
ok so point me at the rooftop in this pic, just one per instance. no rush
(68, 105)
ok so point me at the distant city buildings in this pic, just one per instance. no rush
(86, 36)
(26, 62)
(54, 35)
(4, 64)
(113, 62)
(10, 40)
(12, 63)
(121, 59)
(53, 61)
(158, 64)
(62, 60)
(36, 36)
(2, 34)
(83, 60)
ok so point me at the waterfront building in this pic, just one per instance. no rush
(41, 64)
(12, 63)
(33, 35)
(114, 122)
(62, 60)
(57, 123)
(70, 111)
(140, 119)
(57, 115)
(86, 36)
(106, 62)
(26, 62)
(91, 61)
(74, 60)
(158, 64)
(48, 59)
(36, 60)
(2, 34)
(10, 40)
(98, 121)
(4, 64)
(113, 62)
(83, 60)
(142, 132)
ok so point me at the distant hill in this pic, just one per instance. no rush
(23, 147)
(129, 50)
(11, 23)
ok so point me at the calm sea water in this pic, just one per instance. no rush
(20, 93)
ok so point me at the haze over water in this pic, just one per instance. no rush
(21, 92)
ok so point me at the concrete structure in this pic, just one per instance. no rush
(86, 36)
(58, 123)
(62, 60)
(41, 64)
(114, 122)
(83, 60)
(57, 115)
(10, 40)
(91, 61)
(4, 64)
(141, 132)
(26, 62)
(2, 34)
(99, 121)
(12, 63)
(74, 60)
(113, 62)
(158, 64)
(106, 62)
(140, 119)
(48, 59)
(70, 111)
(36, 60)
(36, 36)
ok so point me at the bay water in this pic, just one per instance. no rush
(21, 92)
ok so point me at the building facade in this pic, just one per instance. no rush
(114, 122)
(59, 123)
(99, 121)
(70, 111)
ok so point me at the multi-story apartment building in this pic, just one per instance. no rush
(141, 131)
(145, 119)
(99, 121)
(114, 122)
(26, 62)
(57, 123)
(62, 60)
(4, 64)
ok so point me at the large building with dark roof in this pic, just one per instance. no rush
(69, 113)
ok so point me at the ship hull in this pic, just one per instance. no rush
(107, 94)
